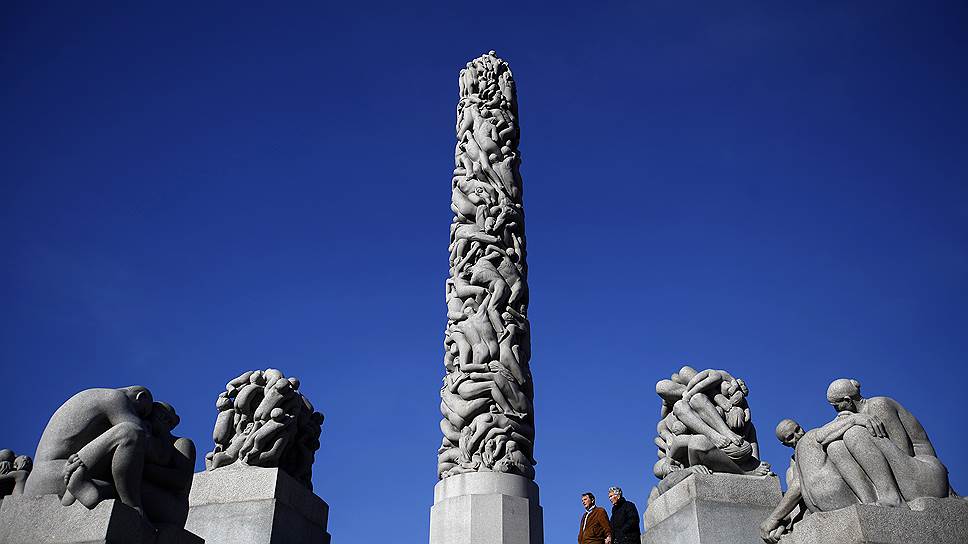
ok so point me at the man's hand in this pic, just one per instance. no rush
(608, 539)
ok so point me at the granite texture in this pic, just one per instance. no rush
(43, 520)
(486, 398)
(486, 508)
(711, 508)
(255, 505)
(929, 521)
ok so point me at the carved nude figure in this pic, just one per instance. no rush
(14, 470)
(169, 468)
(896, 454)
(93, 448)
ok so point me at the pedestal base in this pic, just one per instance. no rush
(929, 521)
(486, 508)
(711, 509)
(43, 520)
(256, 506)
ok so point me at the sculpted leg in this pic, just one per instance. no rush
(684, 411)
(915, 476)
(861, 446)
(123, 446)
(707, 411)
(852, 473)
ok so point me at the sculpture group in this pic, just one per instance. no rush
(705, 427)
(487, 394)
(263, 420)
(873, 452)
(117, 444)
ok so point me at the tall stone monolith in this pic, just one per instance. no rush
(486, 493)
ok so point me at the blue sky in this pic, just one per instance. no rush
(193, 191)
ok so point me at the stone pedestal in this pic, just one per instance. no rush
(486, 508)
(255, 505)
(929, 521)
(711, 509)
(43, 520)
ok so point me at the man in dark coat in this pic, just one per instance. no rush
(625, 519)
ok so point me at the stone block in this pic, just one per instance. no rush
(486, 508)
(43, 520)
(257, 506)
(711, 509)
(929, 521)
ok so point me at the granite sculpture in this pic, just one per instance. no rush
(705, 428)
(485, 464)
(116, 444)
(265, 421)
(14, 470)
(487, 393)
(874, 452)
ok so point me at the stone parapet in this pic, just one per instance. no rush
(711, 509)
(928, 521)
(43, 520)
(257, 506)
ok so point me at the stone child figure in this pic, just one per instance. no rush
(169, 468)
(14, 470)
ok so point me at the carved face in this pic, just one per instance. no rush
(788, 432)
(844, 405)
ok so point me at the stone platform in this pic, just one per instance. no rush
(711, 509)
(43, 520)
(929, 521)
(255, 505)
(486, 508)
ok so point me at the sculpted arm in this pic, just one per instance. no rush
(835, 429)
(789, 501)
(919, 437)
(701, 382)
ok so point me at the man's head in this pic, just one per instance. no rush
(588, 499)
(614, 494)
(140, 398)
(789, 432)
(844, 394)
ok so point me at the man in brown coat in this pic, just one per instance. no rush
(594, 527)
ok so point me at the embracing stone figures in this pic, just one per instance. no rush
(713, 488)
(705, 428)
(874, 452)
(264, 421)
(487, 394)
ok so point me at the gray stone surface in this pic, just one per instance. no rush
(705, 427)
(486, 397)
(486, 508)
(929, 521)
(255, 505)
(711, 509)
(107, 443)
(265, 421)
(874, 452)
(43, 520)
